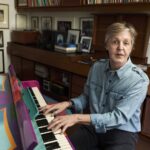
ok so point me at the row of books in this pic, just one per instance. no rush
(115, 1)
(43, 3)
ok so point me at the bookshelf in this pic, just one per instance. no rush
(83, 6)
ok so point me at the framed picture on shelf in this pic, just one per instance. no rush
(1, 39)
(46, 23)
(21, 22)
(1, 61)
(35, 23)
(73, 36)
(86, 26)
(22, 3)
(64, 24)
(60, 37)
(86, 42)
(4, 16)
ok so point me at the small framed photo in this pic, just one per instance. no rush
(86, 42)
(1, 61)
(1, 39)
(73, 37)
(34, 23)
(86, 26)
(46, 23)
(64, 24)
(21, 22)
(60, 37)
(4, 16)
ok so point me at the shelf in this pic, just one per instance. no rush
(99, 8)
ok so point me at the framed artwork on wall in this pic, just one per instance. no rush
(86, 42)
(21, 22)
(1, 39)
(4, 16)
(35, 23)
(1, 61)
(73, 37)
(64, 24)
(86, 26)
(46, 23)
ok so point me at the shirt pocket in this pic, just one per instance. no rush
(114, 99)
(95, 92)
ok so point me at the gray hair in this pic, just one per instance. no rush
(118, 27)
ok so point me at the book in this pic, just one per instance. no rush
(65, 49)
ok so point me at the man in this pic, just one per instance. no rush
(115, 90)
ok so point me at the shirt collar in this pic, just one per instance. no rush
(121, 71)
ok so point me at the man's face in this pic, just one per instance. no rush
(119, 48)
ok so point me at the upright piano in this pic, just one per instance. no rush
(22, 126)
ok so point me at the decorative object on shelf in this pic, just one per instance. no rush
(86, 42)
(21, 22)
(1, 61)
(86, 26)
(73, 36)
(46, 23)
(4, 16)
(64, 24)
(35, 23)
(1, 39)
(22, 3)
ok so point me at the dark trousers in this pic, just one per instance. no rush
(85, 138)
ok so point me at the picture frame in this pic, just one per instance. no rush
(60, 37)
(4, 16)
(22, 3)
(46, 23)
(21, 22)
(86, 26)
(64, 24)
(1, 61)
(1, 39)
(34, 23)
(73, 36)
(86, 42)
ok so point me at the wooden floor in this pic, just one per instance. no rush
(143, 143)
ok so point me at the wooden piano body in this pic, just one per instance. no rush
(19, 128)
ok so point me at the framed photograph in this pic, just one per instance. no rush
(34, 23)
(22, 3)
(86, 26)
(60, 37)
(21, 22)
(4, 16)
(73, 36)
(64, 24)
(86, 42)
(1, 39)
(46, 23)
(1, 61)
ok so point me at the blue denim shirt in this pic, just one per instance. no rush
(114, 97)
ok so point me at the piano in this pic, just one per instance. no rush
(22, 126)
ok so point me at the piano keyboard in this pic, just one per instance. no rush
(52, 140)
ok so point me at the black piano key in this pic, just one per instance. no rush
(40, 116)
(48, 137)
(42, 122)
(44, 129)
(51, 146)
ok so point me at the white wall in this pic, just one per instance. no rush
(75, 16)
(6, 32)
